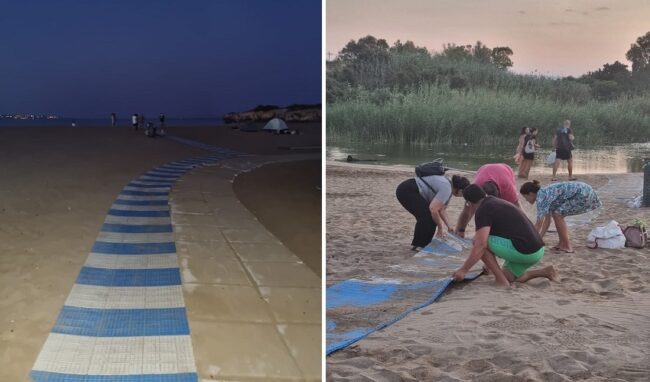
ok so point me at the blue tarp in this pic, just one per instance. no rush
(357, 308)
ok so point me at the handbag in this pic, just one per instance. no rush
(635, 236)
(551, 158)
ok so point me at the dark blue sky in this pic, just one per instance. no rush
(184, 58)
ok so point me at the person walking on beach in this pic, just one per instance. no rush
(134, 121)
(161, 118)
(504, 231)
(113, 119)
(528, 153)
(426, 198)
(141, 121)
(563, 145)
(497, 179)
(556, 201)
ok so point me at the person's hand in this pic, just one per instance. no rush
(441, 234)
(460, 233)
(451, 229)
(459, 275)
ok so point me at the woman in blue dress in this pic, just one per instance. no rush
(556, 201)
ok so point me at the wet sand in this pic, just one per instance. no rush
(56, 186)
(592, 325)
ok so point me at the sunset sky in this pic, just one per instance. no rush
(557, 38)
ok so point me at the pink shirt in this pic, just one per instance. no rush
(502, 175)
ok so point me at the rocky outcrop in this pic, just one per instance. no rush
(292, 113)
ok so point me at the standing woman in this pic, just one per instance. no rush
(520, 145)
(426, 198)
(528, 153)
(557, 201)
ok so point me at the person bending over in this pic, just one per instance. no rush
(504, 231)
(498, 180)
(426, 198)
(556, 201)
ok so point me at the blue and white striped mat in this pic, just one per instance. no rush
(125, 317)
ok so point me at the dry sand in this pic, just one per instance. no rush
(286, 198)
(594, 325)
(56, 186)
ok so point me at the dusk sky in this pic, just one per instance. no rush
(554, 37)
(184, 58)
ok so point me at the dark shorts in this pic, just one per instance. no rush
(563, 154)
(529, 156)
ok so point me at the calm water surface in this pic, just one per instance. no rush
(586, 160)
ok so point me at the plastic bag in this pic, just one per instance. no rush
(551, 158)
(610, 236)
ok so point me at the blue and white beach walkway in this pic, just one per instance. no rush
(125, 318)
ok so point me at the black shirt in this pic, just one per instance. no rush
(508, 221)
(563, 141)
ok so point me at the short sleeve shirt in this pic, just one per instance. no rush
(502, 175)
(441, 188)
(508, 221)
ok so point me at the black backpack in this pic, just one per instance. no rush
(430, 168)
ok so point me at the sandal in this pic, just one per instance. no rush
(573, 178)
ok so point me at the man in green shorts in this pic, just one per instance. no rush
(502, 230)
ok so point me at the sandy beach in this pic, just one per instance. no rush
(57, 186)
(592, 325)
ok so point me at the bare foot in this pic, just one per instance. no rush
(563, 249)
(551, 273)
(416, 249)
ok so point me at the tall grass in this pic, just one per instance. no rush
(434, 113)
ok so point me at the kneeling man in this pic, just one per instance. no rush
(504, 231)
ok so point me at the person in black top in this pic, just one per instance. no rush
(504, 231)
(563, 145)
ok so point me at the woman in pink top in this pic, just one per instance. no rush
(496, 179)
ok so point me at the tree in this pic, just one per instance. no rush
(501, 57)
(368, 49)
(614, 72)
(409, 48)
(482, 53)
(457, 52)
(639, 53)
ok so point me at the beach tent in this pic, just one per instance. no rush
(276, 125)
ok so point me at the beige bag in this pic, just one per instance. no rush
(635, 236)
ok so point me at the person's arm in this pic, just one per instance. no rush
(435, 207)
(542, 225)
(478, 249)
(554, 144)
(463, 220)
(445, 218)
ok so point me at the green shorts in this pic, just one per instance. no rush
(516, 262)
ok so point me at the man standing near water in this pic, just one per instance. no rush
(113, 119)
(563, 145)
